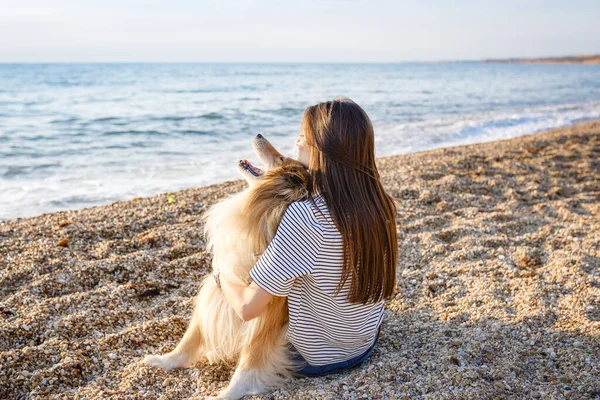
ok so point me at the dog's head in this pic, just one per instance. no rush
(271, 159)
(283, 181)
(282, 177)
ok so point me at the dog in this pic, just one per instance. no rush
(239, 229)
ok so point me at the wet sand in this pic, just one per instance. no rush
(498, 285)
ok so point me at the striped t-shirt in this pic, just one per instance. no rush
(304, 263)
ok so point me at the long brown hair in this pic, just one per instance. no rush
(342, 166)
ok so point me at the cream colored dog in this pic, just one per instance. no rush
(238, 229)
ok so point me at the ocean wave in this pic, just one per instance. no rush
(222, 89)
(65, 121)
(13, 171)
(171, 153)
(213, 90)
(135, 133)
(194, 132)
(80, 200)
(476, 128)
(147, 143)
(282, 111)
(210, 116)
(105, 119)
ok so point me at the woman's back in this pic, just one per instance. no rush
(335, 259)
(304, 262)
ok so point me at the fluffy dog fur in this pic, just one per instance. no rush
(238, 230)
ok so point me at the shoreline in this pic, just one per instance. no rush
(498, 284)
(235, 181)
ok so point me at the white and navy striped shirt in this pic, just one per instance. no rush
(304, 263)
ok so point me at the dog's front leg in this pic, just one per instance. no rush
(188, 351)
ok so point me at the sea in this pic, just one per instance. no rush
(80, 135)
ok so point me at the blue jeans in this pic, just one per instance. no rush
(310, 370)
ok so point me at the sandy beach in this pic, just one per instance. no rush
(498, 285)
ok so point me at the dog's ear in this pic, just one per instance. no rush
(293, 179)
(296, 183)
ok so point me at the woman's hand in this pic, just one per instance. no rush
(248, 301)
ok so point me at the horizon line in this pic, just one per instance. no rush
(243, 62)
(441, 61)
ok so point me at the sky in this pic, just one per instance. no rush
(294, 31)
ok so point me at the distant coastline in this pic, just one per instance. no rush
(580, 59)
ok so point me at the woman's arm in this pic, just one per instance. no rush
(290, 254)
(247, 301)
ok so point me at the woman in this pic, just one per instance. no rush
(334, 255)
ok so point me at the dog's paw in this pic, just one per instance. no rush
(167, 361)
(200, 396)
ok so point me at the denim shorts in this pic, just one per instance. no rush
(310, 370)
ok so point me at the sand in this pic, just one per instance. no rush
(498, 285)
